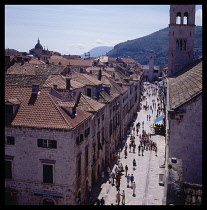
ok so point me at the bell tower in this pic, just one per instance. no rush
(181, 37)
(151, 66)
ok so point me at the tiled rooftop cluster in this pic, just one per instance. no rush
(69, 117)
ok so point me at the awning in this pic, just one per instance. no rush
(159, 119)
(161, 83)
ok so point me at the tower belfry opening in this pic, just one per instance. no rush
(181, 37)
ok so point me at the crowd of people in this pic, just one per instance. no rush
(141, 144)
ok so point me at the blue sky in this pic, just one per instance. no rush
(76, 29)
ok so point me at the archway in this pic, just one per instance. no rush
(48, 201)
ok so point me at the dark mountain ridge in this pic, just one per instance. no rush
(139, 49)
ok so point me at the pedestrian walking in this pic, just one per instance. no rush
(126, 169)
(134, 164)
(155, 150)
(102, 176)
(118, 197)
(125, 146)
(119, 152)
(123, 197)
(133, 187)
(142, 149)
(130, 145)
(102, 201)
(97, 201)
(128, 180)
(131, 179)
(134, 147)
(139, 147)
(118, 177)
(108, 171)
(125, 153)
(137, 131)
(113, 176)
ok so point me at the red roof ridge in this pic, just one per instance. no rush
(56, 106)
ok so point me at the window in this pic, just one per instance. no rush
(45, 143)
(8, 169)
(178, 18)
(8, 109)
(185, 18)
(79, 139)
(98, 120)
(86, 156)
(110, 127)
(79, 166)
(9, 140)
(102, 117)
(156, 71)
(87, 131)
(89, 92)
(47, 173)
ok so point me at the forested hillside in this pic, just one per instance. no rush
(140, 48)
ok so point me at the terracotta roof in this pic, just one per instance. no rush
(111, 59)
(45, 112)
(88, 104)
(34, 60)
(34, 69)
(21, 79)
(128, 60)
(85, 79)
(60, 81)
(71, 62)
(186, 84)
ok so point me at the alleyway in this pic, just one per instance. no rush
(146, 173)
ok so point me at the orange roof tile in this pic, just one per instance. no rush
(44, 113)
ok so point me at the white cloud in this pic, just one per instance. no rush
(198, 17)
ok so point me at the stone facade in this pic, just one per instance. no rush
(188, 147)
(28, 159)
(181, 37)
(86, 134)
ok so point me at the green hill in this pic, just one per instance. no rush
(140, 48)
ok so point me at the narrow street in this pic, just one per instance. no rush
(146, 173)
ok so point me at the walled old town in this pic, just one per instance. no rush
(105, 130)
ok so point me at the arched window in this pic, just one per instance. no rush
(178, 18)
(181, 44)
(185, 18)
(184, 45)
(177, 44)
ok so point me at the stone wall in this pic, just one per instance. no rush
(185, 141)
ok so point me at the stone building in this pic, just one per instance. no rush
(47, 148)
(72, 123)
(40, 52)
(181, 37)
(183, 91)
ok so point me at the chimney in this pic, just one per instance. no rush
(68, 83)
(35, 89)
(99, 74)
(33, 97)
(19, 59)
(54, 87)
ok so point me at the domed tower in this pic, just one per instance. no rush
(38, 45)
(181, 37)
(38, 48)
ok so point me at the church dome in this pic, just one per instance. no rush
(38, 45)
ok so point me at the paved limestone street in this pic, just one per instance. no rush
(146, 173)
